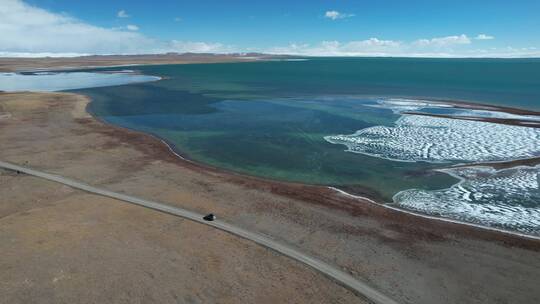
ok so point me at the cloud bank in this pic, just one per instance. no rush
(443, 41)
(455, 46)
(32, 30)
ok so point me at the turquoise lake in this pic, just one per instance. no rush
(270, 119)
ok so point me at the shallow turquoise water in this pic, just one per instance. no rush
(269, 118)
(58, 81)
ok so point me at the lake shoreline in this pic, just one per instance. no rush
(365, 194)
(53, 132)
(362, 195)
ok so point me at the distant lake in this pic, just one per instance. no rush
(58, 81)
(273, 119)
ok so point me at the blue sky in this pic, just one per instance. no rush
(362, 28)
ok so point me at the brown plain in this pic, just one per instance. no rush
(60, 245)
(26, 64)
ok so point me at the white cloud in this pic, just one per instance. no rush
(177, 19)
(122, 14)
(371, 46)
(334, 15)
(374, 42)
(451, 47)
(484, 37)
(443, 41)
(29, 31)
(32, 30)
(199, 47)
(26, 28)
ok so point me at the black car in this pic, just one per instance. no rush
(210, 217)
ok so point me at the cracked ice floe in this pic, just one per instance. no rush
(507, 199)
(435, 139)
(401, 105)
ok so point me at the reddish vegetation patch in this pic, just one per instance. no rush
(508, 164)
(479, 106)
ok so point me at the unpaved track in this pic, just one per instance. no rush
(326, 269)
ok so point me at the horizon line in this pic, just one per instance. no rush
(45, 55)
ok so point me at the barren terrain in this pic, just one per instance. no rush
(26, 64)
(60, 245)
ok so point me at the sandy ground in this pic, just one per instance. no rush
(60, 245)
(25, 64)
